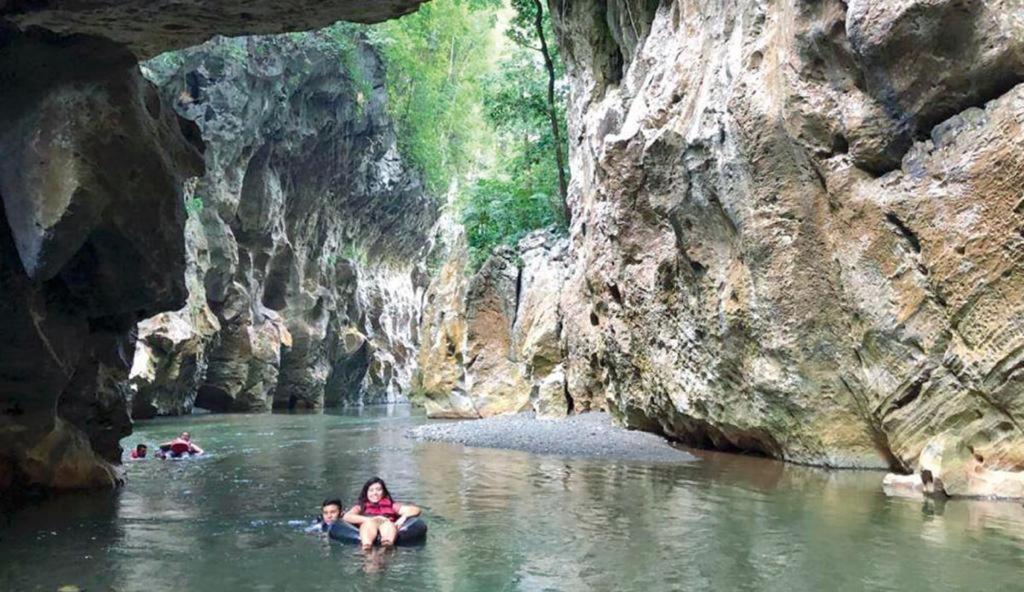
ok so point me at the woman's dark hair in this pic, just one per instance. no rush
(141, 447)
(366, 487)
(331, 502)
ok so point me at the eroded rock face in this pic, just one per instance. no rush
(796, 226)
(309, 228)
(170, 352)
(91, 173)
(149, 28)
(92, 168)
(491, 343)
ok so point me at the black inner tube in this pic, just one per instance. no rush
(413, 532)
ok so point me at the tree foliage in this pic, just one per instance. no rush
(462, 112)
(435, 59)
(521, 191)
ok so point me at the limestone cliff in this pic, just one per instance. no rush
(93, 164)
(308, 229)
(797, 226)
(491, 342)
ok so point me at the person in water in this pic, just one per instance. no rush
(330, 512)
(181, 446)
(377, 514)
(139, 452)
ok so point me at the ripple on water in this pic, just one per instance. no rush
(499, 520)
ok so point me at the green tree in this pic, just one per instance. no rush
(525, 188)
(531, 28)
(435, 58)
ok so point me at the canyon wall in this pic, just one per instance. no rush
(797, 226)
(93, 168)
(308, 228)
(491, 341)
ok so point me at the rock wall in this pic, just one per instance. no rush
(91, 174)
(491, 342)
(308, 231)
(93, 165)
(797, 226)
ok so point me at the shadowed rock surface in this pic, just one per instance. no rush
(148, 28)
(308, 226)
(92, 166)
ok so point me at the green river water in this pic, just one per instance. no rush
(499, 520)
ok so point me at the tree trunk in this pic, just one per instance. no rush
(563, 189)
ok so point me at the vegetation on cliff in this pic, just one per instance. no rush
(476, 96)
(474, 102)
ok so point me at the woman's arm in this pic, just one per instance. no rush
(405, 511)
(354, 516)
(195, 449)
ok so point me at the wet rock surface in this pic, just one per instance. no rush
(585, 435)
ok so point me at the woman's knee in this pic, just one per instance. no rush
(388, 532)
(367, 530)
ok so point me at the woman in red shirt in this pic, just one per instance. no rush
(377, 514)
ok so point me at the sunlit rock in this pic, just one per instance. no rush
(491, 343)
(795, 226)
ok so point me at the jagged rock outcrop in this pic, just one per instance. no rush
(491, 343)
(796, 227)
(311, 225)
(170, 350)
(92, 167)
(91, 173)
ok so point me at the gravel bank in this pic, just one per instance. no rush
(591, 435)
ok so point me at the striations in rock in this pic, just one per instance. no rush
(491, 343)
(308, 226)
(796, 227)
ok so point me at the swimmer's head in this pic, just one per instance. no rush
(330, 510)
(373, 491)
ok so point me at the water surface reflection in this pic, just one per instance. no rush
(498, 521)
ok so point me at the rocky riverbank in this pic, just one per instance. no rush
(592, 435)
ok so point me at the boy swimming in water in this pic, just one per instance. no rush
(139, 452)
(330, 512)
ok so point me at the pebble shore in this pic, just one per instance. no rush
(589, 435)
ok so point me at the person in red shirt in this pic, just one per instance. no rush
(181, 446)
(377, 514)
(139, 452)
